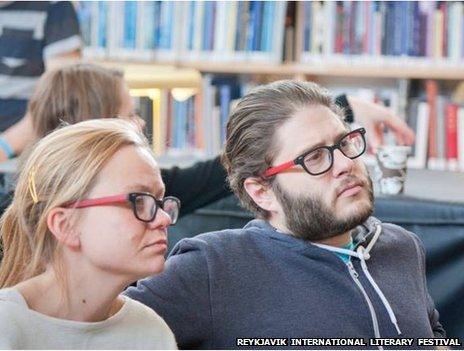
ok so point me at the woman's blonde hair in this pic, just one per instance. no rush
(74, 93)
(62, 167)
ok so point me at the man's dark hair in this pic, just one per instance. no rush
(250, 138)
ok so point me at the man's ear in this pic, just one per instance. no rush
(261, 193)
(59, 222)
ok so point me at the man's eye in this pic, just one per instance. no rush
(315, 156)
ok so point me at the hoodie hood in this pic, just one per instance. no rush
(364, 235)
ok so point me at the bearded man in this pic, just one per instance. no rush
(315, 264)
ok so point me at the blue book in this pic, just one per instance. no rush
(130, 23)
(102, 23)
(224, 104)
(174, 123)
(265, 27)
(148, 22)
(258, 25)
(389, 29)
(165, 24)
(208, 25)
(307, 25)
(251, 26)
(397, 27)
(191, 24)
(84, 15)
(238, 24)
(157, 24)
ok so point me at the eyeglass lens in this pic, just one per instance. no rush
(146, 206)
(320, 160)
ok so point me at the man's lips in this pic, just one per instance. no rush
(350, 189)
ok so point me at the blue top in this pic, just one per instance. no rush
(256, 283)
(30, 33)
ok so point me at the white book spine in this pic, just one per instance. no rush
(461, 138)
(420, 157)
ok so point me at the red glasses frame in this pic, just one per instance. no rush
(131, 198)
(300, 159)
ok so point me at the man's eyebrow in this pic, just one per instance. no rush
(322, 143)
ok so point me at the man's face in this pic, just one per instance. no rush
(319, 207)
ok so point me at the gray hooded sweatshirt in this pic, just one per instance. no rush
(258, 283)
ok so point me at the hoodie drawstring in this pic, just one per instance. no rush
(379, 292)
(363, 254)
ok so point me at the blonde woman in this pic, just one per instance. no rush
(88, 217)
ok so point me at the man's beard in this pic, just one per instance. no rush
(309, 218)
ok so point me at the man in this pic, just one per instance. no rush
(33, 36)
(315, 264)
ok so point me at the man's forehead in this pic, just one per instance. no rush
(310, 127)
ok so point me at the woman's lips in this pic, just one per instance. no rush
(159, 245)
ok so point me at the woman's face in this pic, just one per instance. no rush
(127, 109)
(112, 239)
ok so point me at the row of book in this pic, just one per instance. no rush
(445, 146)
(182, 121)
(436, 119)
(187, 30)
(428, 29)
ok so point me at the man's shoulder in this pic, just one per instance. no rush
(400, 238)
(222, 239)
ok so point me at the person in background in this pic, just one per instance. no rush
(88, 217)
(81, 91)
(314, 263)
(34, 35)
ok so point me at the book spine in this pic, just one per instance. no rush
(452, 136)
(432, 92)
(460, 132)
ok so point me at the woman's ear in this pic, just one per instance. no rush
(59, 222)
(261, 193)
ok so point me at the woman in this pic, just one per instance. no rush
(88, 217)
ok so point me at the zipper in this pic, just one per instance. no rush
(375, 322)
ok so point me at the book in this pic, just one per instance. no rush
(451, 125)
(420, 125)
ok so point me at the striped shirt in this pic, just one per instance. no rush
(30, 33)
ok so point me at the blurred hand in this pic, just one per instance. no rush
(374, 117)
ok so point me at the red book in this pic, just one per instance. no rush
(451, 126)
(339, 28)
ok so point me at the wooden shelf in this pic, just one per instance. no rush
(155, 75)
(332, 69)
(188, 74)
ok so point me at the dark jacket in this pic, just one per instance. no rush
(258, 283)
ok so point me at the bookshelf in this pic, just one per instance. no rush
(218, 50)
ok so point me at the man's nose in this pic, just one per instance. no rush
(341, 164)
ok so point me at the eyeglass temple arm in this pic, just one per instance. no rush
(99, 201)
(277, 169)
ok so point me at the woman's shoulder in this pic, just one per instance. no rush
(142, 317)
(12, 317)
(144, 313)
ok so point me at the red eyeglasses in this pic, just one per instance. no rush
(320, 160)
(144, 205)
